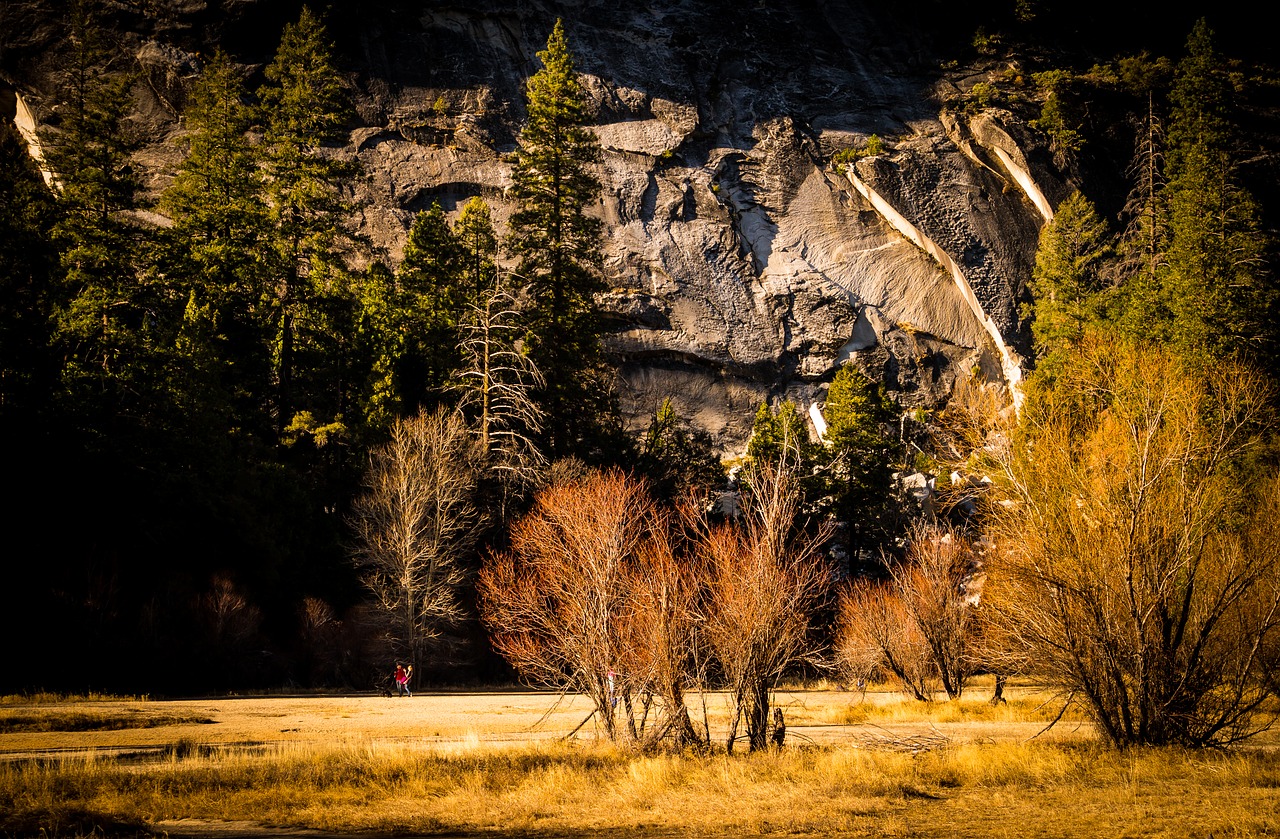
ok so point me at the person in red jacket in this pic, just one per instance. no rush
(402, 680)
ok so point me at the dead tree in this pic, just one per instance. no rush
(415, 525)
(573, 600)
(762, 579)
(496, 385)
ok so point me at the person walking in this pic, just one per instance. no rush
(402, 680)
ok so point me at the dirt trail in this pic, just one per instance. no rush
(210, 829)
(442, 718)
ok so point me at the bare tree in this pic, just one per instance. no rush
(659, 633)
(762, 579)
(497, 382)
(320, 644)
(415, 526)
(1130, 568)
(228, 617)
(933, 585)
(556, 602)
(876, 635)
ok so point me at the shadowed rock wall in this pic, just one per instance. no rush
(743, 265)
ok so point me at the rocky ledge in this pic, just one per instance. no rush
(744, 264)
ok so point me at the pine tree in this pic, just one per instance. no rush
(217, 200)
(28, 264)
(215, 247)
(780, 440)
(109, 317)
(558, 245)
(477, 249)
(1216, 288)
(861, 454)
(430, 278)
(1066, 282)
(678, 457)
(381, 336)
(305, 106)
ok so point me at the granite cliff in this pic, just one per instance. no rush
(744, 264)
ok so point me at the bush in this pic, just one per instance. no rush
(1131, 567)
(872, 147)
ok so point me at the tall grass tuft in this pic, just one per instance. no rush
(573, 788)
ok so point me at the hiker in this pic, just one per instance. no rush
(402, 680)
(779, 728)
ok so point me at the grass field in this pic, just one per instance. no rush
(498, 764)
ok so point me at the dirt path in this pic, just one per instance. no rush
(435, 718)
(209, 829)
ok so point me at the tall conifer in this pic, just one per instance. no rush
(305, 106)
(477, 248)
(217, 200)
(28, 263)
(1066, 281)
(863, 451)
(434, 304)
(558, 245)
(215, 247)
(1217, 289)
(107, 321)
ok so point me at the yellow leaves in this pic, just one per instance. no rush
(305, 426)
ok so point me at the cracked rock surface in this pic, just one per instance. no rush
(743, 265)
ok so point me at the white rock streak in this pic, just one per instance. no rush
(819, 421)
(26, 125)
(1009, 362)
(1026, 182)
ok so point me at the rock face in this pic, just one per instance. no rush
(744, 265)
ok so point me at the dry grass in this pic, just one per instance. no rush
(989, 786)
(971, 790)
(1014, 710)
(47, 698)
(79, 720)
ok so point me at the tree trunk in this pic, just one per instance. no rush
(757, 714)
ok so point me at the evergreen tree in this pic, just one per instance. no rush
(861, 454)
(780, 441)
(109, 317)
(305, 106)
(215, 249)
(1058, 118)
(1216, 289)
(781, 437)
(430, 277)
(678, 457)
(1066, 282)
(558, 246)
(216, 200)
(477, 249)
(381, 335)
(28, 264)
(1202, 99)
